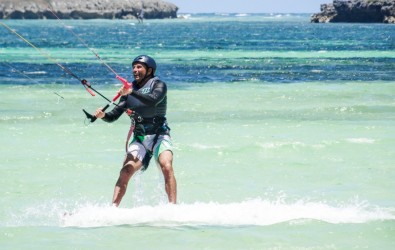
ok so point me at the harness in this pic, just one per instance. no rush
(141, 127)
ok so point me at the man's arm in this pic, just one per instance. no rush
(116, 112)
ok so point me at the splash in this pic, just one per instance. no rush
(256, 212)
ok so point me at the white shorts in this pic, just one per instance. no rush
(138, 150)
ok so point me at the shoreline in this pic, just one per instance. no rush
(89, 9)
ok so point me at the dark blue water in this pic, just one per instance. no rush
(227, 49)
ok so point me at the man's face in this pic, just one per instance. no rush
(139, 72)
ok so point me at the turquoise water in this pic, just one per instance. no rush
(283, 132)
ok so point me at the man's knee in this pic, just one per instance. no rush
(166, 162)
(167, 166)
(130, 166)
(167, 169)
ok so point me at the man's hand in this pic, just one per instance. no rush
(100, 113)
(125, 91)
(126, 88)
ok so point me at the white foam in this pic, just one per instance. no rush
(205, 146)
(36, 73)
(281, 144)
(361, 140)
(242, 15)
(248, 213)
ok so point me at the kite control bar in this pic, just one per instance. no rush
(126, 85)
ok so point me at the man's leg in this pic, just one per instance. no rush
(130, 166)
(166, 164)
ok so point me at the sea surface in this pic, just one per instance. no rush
(284, 134)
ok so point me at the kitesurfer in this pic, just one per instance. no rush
(151, 136)
(140, 16)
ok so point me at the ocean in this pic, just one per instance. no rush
(283, 130)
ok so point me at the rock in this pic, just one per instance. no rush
(362, 11)
(86, 9)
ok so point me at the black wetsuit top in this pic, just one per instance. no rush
(148, 101)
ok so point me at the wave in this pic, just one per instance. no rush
(361, 140)
(44, 115)
(41, 72)
(241, 14)
(256, 212)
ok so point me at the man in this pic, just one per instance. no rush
(140, 16)
(147, 99)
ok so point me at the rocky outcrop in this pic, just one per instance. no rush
(362, 11)
(86, 9)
